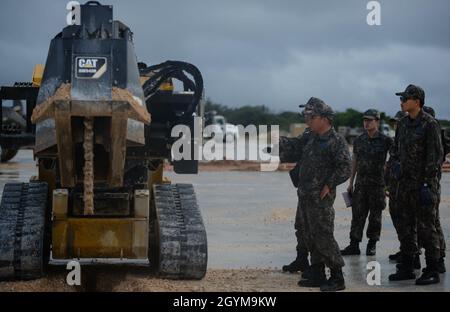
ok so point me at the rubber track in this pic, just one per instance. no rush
(22, 229)
(183, 252)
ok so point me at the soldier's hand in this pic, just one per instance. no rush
(325, 191)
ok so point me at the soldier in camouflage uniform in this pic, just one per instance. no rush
(324, 164)
(441, 262)
(368, 198)
(442, 244)
(392, 186)
(418, 150)
(291, 153)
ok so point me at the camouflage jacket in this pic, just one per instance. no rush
(370, 154)
(389, 178)
(291, 149)
(418, 149)
(325, 160)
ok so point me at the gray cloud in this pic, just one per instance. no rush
(277, 53)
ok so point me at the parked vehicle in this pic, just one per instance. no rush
(221, 129)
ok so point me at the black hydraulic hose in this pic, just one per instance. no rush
(174, 69)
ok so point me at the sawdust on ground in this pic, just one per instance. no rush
(140, 280)
(280, 215)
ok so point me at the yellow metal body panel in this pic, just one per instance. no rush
(156, 176)
(60, 203)
(167, 86)
(96, 237)
(100, 238)
(38, 72)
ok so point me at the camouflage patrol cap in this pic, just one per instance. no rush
(398, 116)
(415, 92)
(317, 107)
(372, 114)
(429, 110)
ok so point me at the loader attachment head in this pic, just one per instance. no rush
(90, 106)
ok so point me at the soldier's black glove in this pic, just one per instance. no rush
(396, 170)
(426, 196)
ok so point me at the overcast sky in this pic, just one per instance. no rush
(273, 53)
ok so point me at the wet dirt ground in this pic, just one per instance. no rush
(249, 218)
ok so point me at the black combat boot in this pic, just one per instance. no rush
(352, 249)
(404, 270)
(371, 249)
(441, 265)
(430, 274)
(307, 273)
(394, 257)
(399, 258)
(317, 277)
(335, 282)
(416, 263)
(301, 263)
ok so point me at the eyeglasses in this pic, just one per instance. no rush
(368, 119)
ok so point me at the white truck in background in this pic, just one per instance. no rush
(222, 130)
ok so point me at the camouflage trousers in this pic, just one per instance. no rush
(301, 244)
(315, 221)
(396, 219)
(367, 201)
(393, 207)
(417, 223)
(442, 244)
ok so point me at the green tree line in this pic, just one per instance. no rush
(262, 115)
